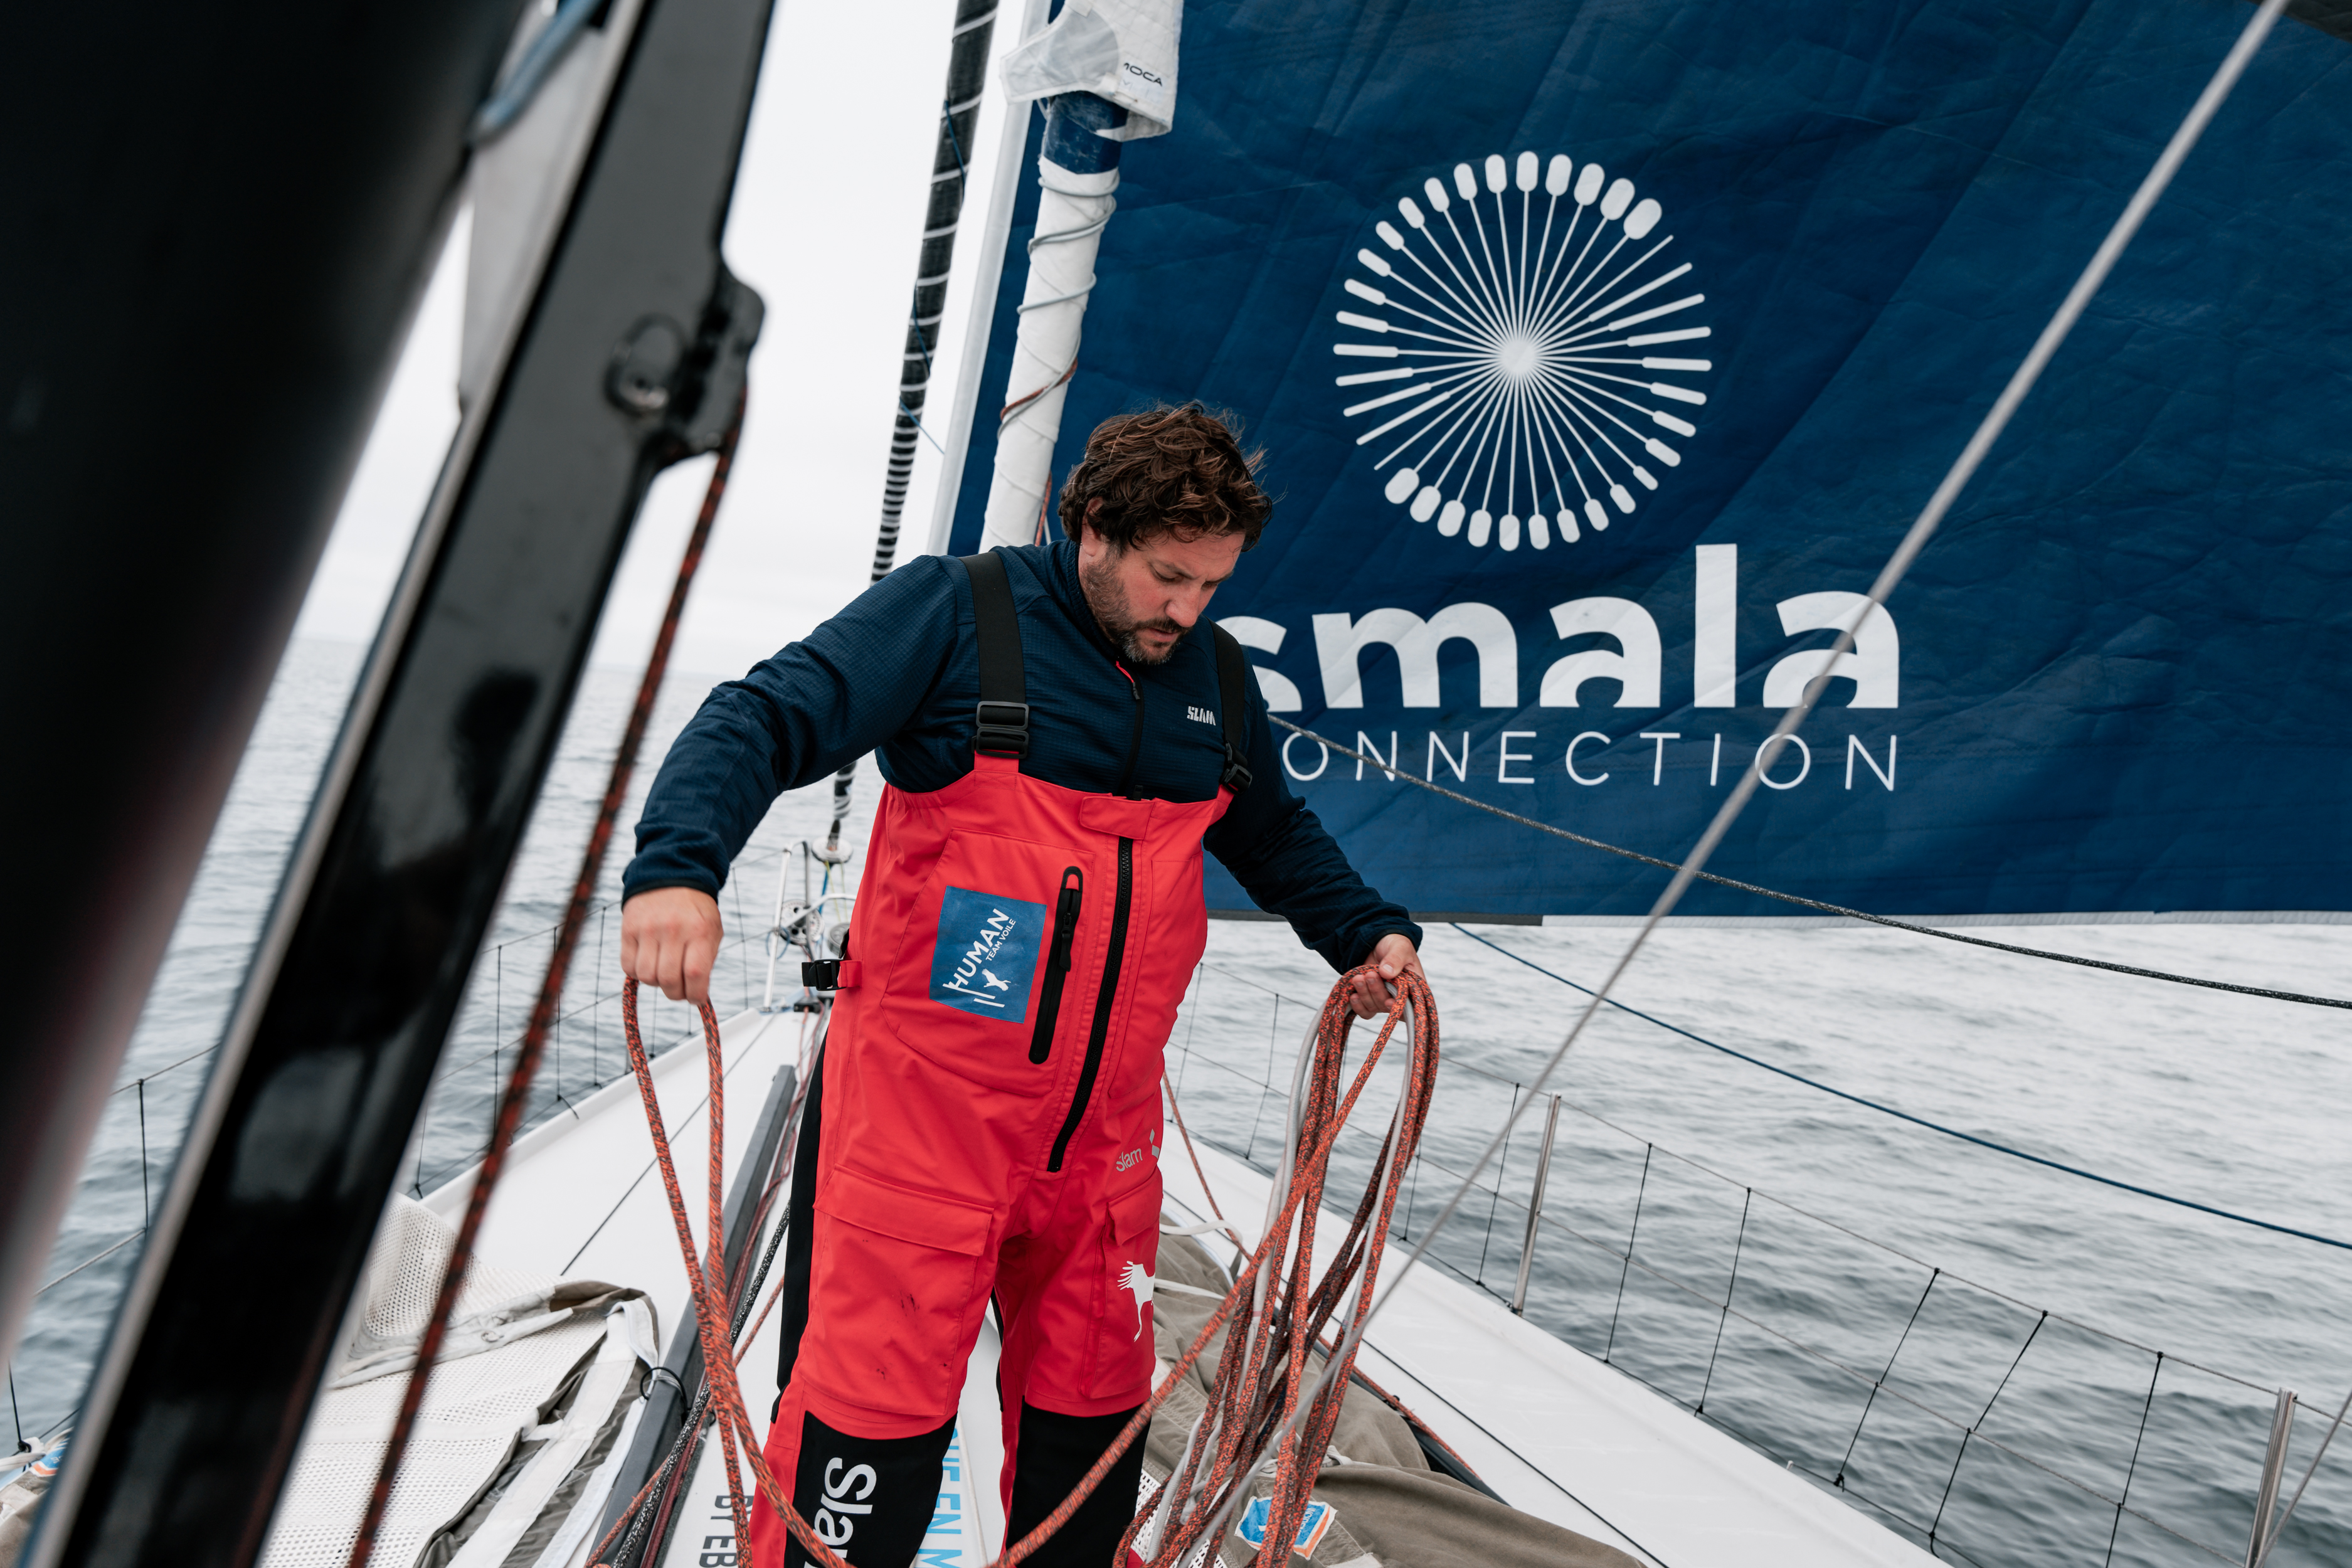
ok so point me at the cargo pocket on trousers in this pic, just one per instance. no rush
(895, 1290)
(1123, 1353)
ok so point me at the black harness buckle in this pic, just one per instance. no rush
(1236, 776)
(1001, 728)
(821, 973)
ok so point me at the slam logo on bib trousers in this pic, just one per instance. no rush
(986, 953)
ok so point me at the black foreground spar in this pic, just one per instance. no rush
(194, 333)
(627, 356)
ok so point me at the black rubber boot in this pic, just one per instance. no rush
(1055, 1452)
(869, 1499)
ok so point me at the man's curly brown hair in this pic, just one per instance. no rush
(1179, 470)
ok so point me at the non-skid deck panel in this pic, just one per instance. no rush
(1563, 1437)
(580, 1197)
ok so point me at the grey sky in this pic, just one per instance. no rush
(830, 242)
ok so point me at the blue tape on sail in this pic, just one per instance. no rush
(1601, 360)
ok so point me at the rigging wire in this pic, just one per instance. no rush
(1923, 528)
(1907, 1116)
(1747, 1187)
(1374, 760)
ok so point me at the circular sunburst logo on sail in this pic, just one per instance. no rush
(1540, 341)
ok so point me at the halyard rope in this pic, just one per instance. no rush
(1254, 1403)
(676, 1467)
(1827, 908)
(705, 1280)
(517, 1094)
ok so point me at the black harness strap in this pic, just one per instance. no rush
(1233, 692)
(1000, 722)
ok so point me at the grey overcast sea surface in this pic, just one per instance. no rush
(1788, 1249)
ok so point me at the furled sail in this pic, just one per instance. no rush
(1106, 71)
(1602, 354)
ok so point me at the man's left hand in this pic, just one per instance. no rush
(1394, 955)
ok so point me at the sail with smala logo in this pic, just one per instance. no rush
(1601, 358)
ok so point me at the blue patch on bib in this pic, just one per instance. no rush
(986, 953)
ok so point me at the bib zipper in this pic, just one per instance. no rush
(1103, 999)
(1134, 734)
(1057, 962)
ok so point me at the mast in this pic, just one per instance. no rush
(1077, 173)
(975, 23)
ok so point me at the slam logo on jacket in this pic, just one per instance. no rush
(986, 953)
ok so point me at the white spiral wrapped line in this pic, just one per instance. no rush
(1073, 205)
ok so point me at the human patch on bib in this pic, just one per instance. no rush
(986, 954)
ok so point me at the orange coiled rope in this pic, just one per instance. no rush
(1253, 1406)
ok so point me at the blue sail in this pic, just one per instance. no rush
(1601, 354)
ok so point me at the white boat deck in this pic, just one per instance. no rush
(581, 1198)
(1558, 1434)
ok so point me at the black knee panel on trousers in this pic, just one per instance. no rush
(1056, 1453)
(869, 1499)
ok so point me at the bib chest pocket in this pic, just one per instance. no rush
(991, 964)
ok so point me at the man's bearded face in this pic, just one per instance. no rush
(1145, 596)
(1144, 635)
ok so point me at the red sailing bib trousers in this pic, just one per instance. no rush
(992, 1117)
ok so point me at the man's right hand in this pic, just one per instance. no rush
(669, 938)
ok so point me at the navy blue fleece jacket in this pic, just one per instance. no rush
(898, 673)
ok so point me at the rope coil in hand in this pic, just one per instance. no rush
(1254, 1414)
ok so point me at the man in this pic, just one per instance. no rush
(1061, 737)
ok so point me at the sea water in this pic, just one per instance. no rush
(1960, 1342)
